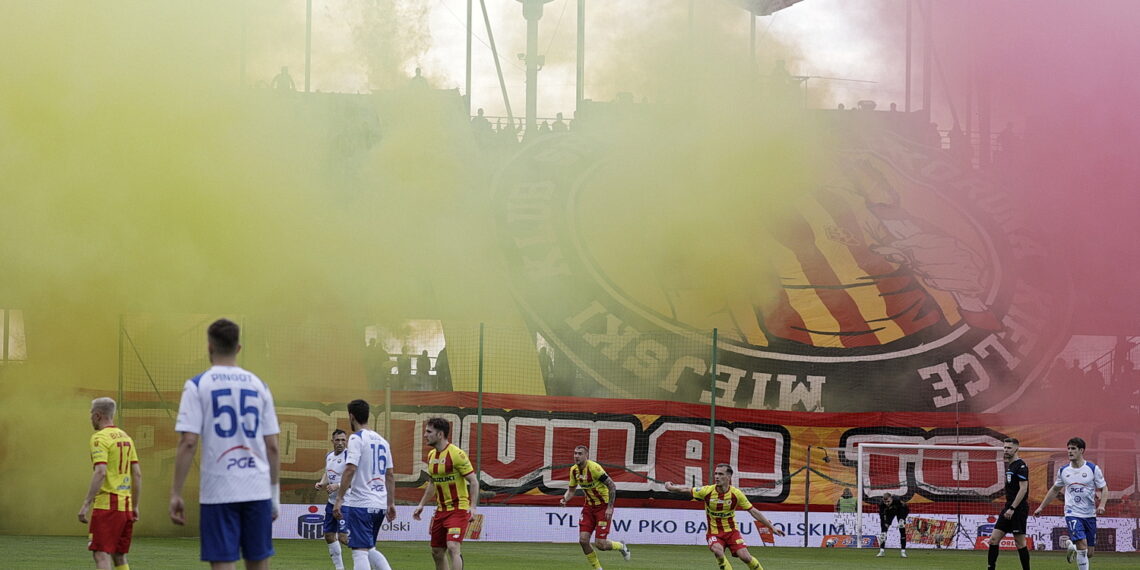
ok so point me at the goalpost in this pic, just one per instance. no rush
(950, 481)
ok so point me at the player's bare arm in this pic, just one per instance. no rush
(472, 491)
(568, 495)
(324, 481)
(1103, 500)
(760, 518)
(613, 497)
(429, 494)
(1022, 491)
(187, 445)
(390, 485)
(136, 489)
(673, 488)
(345, 485)
(97, 477)
(1048, 499)
(273, 454)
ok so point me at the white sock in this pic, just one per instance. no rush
(378, 561)
(1083, 559)
(360, 559)
(334, 553)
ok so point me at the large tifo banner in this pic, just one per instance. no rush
(686, 526)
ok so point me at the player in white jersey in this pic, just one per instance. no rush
(367, 490)
(231, 411)
(1081, 480)
(330, 481)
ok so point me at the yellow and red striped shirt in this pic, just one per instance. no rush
(720, 508)
(447, 470)
(114, 448)
(592, 480)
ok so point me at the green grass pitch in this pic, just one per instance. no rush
(63, 552)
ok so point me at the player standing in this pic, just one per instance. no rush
(367, 491)
(1081, 480)
(598, 507)
(231, 410)
(1015, 514)
(456, 491)
(111, 506)
(330, 482)
(722, 500)
(890, 510)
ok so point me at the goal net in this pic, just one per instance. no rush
(954, 493)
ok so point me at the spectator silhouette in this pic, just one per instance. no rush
(283, 81)
(423, 366)
(404, 369)
(419, 81)
(559, 125)
(442, 372)
(544, 128)
(546, 365)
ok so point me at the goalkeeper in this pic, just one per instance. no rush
(890, 510)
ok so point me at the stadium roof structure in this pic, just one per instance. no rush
(764, 7)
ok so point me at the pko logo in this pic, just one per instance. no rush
(311, 524)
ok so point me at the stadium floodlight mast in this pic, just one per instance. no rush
(532, 11)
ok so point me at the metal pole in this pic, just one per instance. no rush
(928, 63)
(752, 41)
(121, 402)
(308, 40)
(807, 496)
(909, 9)
(479, 413)
(580, 82)
(532, 11)
(859, 491)
(712, 409)
(244, 22)
(470, 33)
(498, 64)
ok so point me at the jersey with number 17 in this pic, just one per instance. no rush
(372, 456)
(232, 411)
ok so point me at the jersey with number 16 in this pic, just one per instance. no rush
(372, 456)
(232, 411)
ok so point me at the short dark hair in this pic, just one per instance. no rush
(1012, 440)
(441, 425)
(726, 466)
(224, 335)
(1076, 441)
(359, 409)
(338, 431)
(582, 447)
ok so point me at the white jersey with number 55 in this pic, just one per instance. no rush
(232, 411)
(372, 456)
(1080, 485)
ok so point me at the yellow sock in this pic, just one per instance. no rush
(593, 559)
(123, 567)
(724, 563)
(754, 564)
(616, 545)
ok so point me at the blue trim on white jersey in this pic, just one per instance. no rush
(196, 379)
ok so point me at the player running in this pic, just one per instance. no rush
(1081, 480)
(598, 508)
(722, 500)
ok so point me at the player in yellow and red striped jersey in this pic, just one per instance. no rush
(598, 508)
(111, 506)
(722, 500)
(456, 490)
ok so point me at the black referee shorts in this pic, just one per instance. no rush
(1013, 525)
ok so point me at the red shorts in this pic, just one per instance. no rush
(731, 540)
(110, 531)
(593, 520)
(448, 526)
